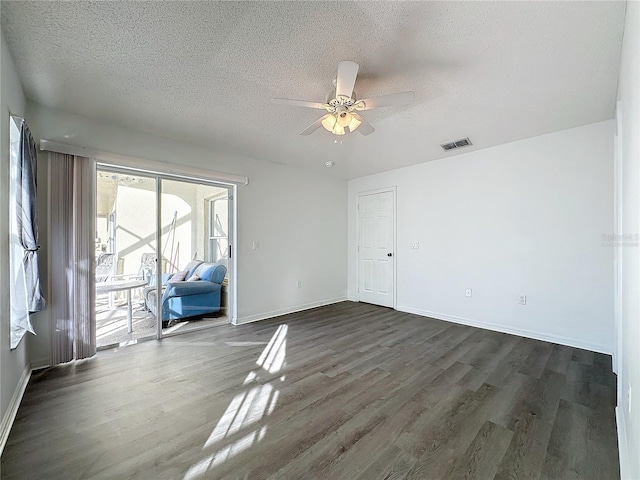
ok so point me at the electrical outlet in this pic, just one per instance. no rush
(522, 299)
(467, 292)
(415, 245)
(299, 284)
(256, 245)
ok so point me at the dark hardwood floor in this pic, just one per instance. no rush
(340, 392)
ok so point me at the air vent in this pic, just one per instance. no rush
(465, 142)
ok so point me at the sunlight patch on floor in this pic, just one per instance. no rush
(112, 325)
(244, 344)
(272, 357)
(229, 451)
(245, 410)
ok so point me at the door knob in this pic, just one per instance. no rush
(389, 254)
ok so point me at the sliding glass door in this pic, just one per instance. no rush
(126, 204)
(195, 253)
(163, 249)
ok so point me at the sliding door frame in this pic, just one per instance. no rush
(159, 176)
(158, 257)
(232, 263)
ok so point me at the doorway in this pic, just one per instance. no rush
(150, 229)
(376, 247)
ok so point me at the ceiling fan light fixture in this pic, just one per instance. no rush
(344, 118)
(330, 123)
(340, 123)
(354, 123)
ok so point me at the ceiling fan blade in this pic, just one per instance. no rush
(392, 100)
(299, 103)
(347, 73)
(314, 126)
(365, 128)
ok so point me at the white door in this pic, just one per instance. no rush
(375, 248)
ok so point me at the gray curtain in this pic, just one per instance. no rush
(72, 243)
(27, 212)
(26, 295)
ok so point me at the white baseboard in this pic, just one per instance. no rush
(286, 311)
(570, 342)
(12, 409)
(42, 363)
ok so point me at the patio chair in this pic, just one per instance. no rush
(105, 267)
(147, 266)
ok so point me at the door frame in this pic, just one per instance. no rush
(393, 191)
(617, 250)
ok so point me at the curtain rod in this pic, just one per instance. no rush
(152, 166)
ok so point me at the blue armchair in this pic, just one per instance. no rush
(189, 298)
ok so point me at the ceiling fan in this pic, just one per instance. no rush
(342, 110)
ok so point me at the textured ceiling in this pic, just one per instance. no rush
(205, 72)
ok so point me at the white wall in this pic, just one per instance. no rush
(298, 217)
(525, 218)
(628, 201)
(12, 362)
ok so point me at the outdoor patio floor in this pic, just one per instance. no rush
(111, 323)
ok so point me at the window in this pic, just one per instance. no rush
(218, 244)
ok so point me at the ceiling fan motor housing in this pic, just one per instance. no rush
(334, 100)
